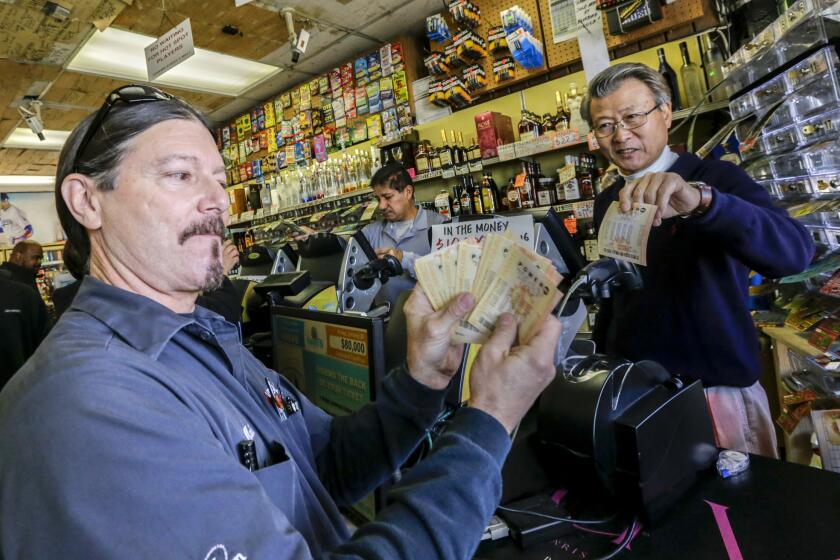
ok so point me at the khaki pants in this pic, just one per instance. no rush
(741, 419)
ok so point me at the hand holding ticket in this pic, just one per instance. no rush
(624, 235)
(504, 277)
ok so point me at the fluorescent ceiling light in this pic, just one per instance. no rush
(119, 54)
(27, 183)
(25, 139)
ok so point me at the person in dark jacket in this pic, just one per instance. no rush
(143, 427)
(24, 262)
(23, 324)
(713, 225)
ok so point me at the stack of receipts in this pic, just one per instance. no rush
(502, 275)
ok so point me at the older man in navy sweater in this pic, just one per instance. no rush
(713, 225)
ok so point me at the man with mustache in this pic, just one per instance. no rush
(143, 428)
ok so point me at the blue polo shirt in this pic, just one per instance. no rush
(118, 438)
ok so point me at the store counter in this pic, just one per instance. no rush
(775, 509)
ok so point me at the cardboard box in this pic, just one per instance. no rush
(492, 130)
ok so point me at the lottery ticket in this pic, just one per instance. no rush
(624, 235)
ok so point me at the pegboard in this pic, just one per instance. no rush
(680, 13)
(491, 17)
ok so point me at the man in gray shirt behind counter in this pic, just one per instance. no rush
(142, 428)
(404, 230)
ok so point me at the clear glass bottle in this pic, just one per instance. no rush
(713, 61)
(692, 78)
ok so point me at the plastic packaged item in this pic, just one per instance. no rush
(526, 49)
(436, 65)
(475, 78)
(515, 18)
(497, 41)
(436, 28)
(503, 69)
(465, 13)
(469, 47)
(731, 463)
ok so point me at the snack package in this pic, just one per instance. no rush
(374, 103)
(386, 92)
(374, 66)
(361, 70)
(361, 100)
(400, 87)
(374, 126)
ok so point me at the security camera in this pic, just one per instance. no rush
(32, 116)
(297, 42)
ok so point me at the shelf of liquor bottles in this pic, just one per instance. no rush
(311, 208)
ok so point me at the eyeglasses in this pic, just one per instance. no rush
(629, 122)
(127, 94)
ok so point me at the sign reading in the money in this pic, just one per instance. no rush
(445, 235)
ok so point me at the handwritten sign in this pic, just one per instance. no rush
(444, 235)
(172, 48)
(591, 40)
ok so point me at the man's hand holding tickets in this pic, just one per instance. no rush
(502, 275)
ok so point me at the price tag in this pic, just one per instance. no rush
(448, 173)
(566, 138)
(476, 166)
(525, 148)
(592, 141)
(245, 216)
(585, 209)
(506, 152)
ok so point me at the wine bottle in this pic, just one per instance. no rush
(692, 78)
(670, 79)
(445, 152)
(562, 113)
(713, 61)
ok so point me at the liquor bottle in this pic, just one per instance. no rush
(434, 159)
(713, 61)
(528, 128)
(467, 208)
(504, 203)
(421, 159)
(670, 79)
(562, 122)
(456, 153)
(445, 152)
(474, 152)
(527, 193)
(692, 78)
(464, 155)
(456, 201)
(545, 192)
(514, 200)
(477, 198)
(489, 194)
(590, 242)
(443, 203)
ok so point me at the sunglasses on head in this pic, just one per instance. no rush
(126, 94)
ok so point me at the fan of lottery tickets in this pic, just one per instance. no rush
(504, 277)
